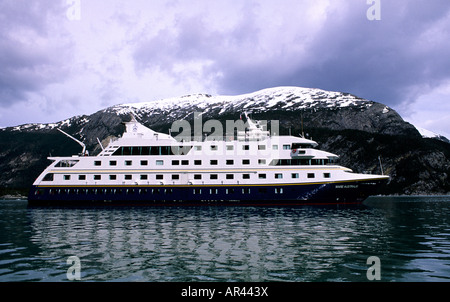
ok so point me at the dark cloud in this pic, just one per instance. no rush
(28, 61)
(192, 39)
(387, 60)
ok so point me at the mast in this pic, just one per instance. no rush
(84, 152)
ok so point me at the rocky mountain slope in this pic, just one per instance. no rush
(362, 132)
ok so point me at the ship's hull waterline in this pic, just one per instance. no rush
(351, 192)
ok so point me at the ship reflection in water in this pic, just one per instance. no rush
(248, 243)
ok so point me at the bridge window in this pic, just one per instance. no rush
(66, 163)
(48, 177)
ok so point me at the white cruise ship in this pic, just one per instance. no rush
(252, 168)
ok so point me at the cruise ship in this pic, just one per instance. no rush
(253, 167)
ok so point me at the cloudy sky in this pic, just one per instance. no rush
(60, 58)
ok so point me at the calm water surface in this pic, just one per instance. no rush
(410, 236)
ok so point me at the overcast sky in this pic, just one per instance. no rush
(60, 58)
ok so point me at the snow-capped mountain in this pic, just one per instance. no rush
(287, 98)
(318, 107)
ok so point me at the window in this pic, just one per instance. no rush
(128, 177)
(245, 176)
(286, 147)
(184, 162)
(278, 175)
(128, 163)
(175, 176)
(113, 162)
(66, 177)
(246, 162)
(112, 177)
(197, 176)
(294, 175)
(48, 177)
(198, 148)
(261, 147)
(97, 163)
(245, 190)
(66, 163)
(175, 162)
(326, 175)
(97, 177)
(278, 190)
(262, 176)
(81, 177)
(213, 147)
(230, 162)
(261, 161)
(274, 147)
(144, 162)
(197, 162)
(230, 176)
(311, 175)
(144, 176)
(213, 176)
(262, 190)
(213, 162)
(159, 162)
(229, 191)
(159, 176)
(153, 150)
(230, 147)
(245, 147)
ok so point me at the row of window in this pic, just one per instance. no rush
(214, 162)
(180, 150)
(141, 191)
(50, 176)
(176, 162)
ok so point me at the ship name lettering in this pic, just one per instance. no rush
(346, 186)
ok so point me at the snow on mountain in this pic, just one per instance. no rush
(430, 134)
(323, 109)
(286, 97)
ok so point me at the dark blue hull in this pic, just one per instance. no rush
(288, 194)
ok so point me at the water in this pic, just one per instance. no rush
(409, 235)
